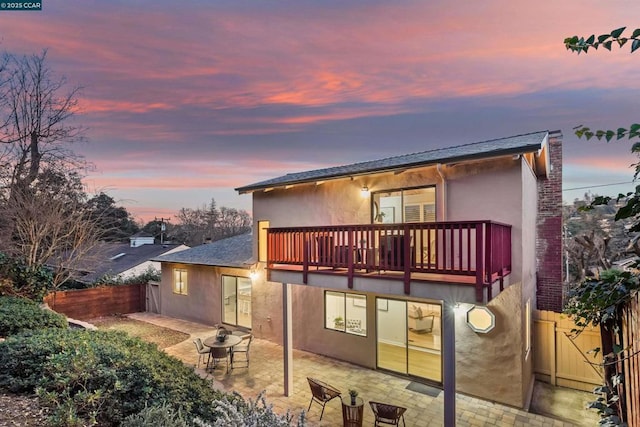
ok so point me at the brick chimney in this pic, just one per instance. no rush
(549, 231)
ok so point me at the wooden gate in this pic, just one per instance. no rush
(153, 297)
(563, 359)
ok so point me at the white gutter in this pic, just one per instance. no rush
(443, 193)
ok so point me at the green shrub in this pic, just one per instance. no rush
(151, 274)
(21, 280)
(251, 413)
(19, 314)
(101, 377)
(163, 416)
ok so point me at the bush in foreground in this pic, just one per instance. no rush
(19, 314)
(18, 279)
(90, 377)
(162, 416)
(253, 413)
(106, 378)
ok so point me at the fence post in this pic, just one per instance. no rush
(552, 353)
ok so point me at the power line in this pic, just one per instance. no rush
(595, 186)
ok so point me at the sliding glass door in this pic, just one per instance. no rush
(236, 301)
(392, 335)
(409, 338)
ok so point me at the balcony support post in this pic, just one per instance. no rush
(479, 263)
(287, 338)
(449, 361)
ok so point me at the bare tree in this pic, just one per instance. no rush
(35, 108)
(195, 226)
(43, 218)
(56, 232)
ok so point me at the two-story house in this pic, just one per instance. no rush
(371, 257)
(425, 265)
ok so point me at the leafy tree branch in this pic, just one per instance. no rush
(608, 135)
(580, 44)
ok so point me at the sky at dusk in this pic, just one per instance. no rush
(185, 100)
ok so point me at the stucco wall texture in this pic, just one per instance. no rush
(494, 365)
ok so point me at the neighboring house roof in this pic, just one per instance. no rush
(115, 258)
(519, 144)
(236, 251)
(142, 234)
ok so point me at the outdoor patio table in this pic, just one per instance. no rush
(352, 414)
(241, 334)
(231, 340)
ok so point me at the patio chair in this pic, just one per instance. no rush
(242, 348)
(218, 354)
(202, 351)
(321, 393)
(387, 414)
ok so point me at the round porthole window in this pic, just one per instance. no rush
(480, 319)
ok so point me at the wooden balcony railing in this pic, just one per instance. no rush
(481, 249)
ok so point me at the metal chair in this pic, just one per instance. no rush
(321, 393)
(202, 351)
(387, 414)
(243, 347)
(218, 354)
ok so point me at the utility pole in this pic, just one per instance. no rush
(163, 228)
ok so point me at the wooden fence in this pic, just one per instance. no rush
(83, 304)
(631, 364)
(560, 358)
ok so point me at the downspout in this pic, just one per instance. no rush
(443, 193)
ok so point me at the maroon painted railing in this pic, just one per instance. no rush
(481, 249)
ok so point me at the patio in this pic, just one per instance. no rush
(266, 373)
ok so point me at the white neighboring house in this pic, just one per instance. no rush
(125, 260)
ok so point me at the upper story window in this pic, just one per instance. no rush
(408, 205)
(180, 281)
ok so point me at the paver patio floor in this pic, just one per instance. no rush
(266, 373)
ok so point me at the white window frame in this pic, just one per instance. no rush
(350, 325)
(236, 300)
(180, 281)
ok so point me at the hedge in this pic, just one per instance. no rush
(20, 314)
(90, 377)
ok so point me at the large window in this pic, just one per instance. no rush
(180, 281)
(346, 312)
(410, 205)
(236, 301)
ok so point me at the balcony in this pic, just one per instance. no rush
(476, 253)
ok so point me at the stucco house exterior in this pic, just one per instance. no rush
(425, 265)
(209, 283)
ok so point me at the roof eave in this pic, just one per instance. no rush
(536, 147)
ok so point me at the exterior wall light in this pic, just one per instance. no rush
(480, 319)
(253, 275)
(364, 191)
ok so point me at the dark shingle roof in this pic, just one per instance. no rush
(512, 145)
(236, 251)
(114, 258)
